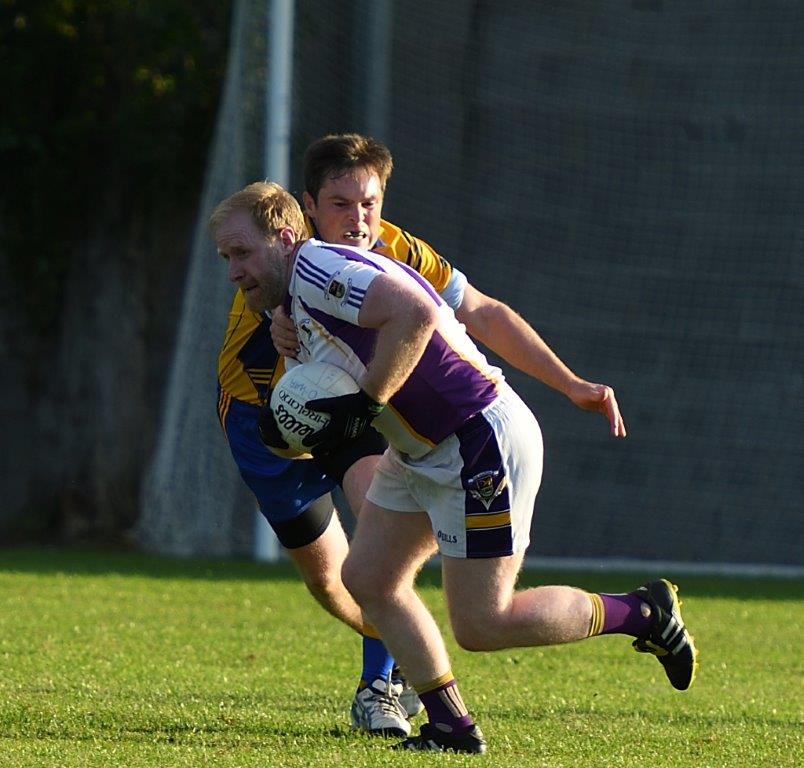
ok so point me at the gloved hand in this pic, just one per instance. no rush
(269, 431)
(350, 417)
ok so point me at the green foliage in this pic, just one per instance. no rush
(121, 659)
(108, 106)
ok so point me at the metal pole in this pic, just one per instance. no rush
(377, 106)
(278, 98)
(277, 166)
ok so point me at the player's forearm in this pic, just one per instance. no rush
(508, 335)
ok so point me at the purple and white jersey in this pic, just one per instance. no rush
(452, 381)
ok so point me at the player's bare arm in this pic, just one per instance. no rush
(508, 335)
(404, 317)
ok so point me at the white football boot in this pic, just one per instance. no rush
(376, 709)
(408, 697)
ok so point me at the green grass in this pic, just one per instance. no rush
(118, 659)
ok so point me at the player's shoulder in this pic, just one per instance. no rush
(329, 270)
(401, 245)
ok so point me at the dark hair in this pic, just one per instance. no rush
(337, 154)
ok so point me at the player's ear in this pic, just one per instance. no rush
(288, 237)
(309, 204)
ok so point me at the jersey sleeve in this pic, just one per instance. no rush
(327, 282)
(454, 289)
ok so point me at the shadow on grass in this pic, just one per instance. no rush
(120, 562)
(53, 560)
(198, 735)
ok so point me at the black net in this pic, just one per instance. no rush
(628, 176)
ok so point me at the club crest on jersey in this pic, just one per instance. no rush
(485, 488)
(338, 290)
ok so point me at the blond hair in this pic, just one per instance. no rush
(271, 207)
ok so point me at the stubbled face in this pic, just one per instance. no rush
(348, 209)
(257, 264)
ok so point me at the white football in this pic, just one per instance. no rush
(299, 385)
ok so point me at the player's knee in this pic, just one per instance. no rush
(364, 585)
(473, 635)
(354, 579)
(324, 585)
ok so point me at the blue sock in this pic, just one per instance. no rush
(377, 662)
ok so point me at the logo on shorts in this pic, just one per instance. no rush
(449, 538)
(485, 488)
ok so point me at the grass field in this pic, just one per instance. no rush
(118, 659)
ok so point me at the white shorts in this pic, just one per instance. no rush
(478, 486)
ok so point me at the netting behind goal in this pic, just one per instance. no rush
(193, 500)
(628, 177)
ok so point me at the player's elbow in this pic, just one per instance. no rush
(413, 319)
(491, 313)
(484, 318)
(423, 315)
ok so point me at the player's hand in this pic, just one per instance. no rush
(350, 417)
(600, 398)
(269, 430)
(283, 333)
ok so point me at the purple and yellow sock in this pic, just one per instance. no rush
(618, 614)
(445, 708)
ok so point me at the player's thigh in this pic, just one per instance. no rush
(479, 591)
(397, 533)
(357, 481)
(387, 550)
(319, 561)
